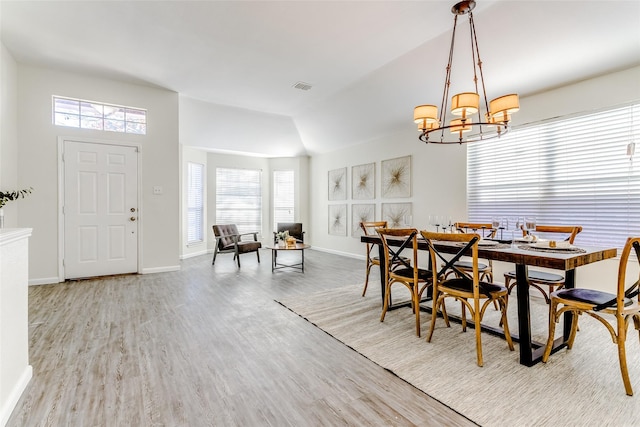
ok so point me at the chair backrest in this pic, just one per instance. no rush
(226, 233)
(570, 231)
(369, 229)
(486, 230)
(294, 229)
(394, 241)
(631, 250)
(467, 241)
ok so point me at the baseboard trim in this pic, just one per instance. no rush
(166, 269)
(44, 281)
(194, 254)
(14, 396)
(334, 252)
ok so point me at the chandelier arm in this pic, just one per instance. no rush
(477, 49)
(445, 94)
(444, 105)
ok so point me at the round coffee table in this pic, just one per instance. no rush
(274, 256)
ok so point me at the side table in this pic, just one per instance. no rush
(274, 256)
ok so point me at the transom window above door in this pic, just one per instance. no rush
(83, 114)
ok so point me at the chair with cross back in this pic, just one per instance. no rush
(404, 270)
(465, 286)
(624, 306)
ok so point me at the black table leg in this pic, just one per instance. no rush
(569, 283)
(383, 270)
(524, 315)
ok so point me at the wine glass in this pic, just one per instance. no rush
(495, 223)
(450, 223)
(512, 225)
(504, 223)
(530, 224)
(435, 221)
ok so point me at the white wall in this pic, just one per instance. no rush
(438, 184)
(38, 163)
(237, 130)
(9, 133)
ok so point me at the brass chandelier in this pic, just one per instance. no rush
(462, 128)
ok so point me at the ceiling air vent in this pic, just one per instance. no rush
(302, 86)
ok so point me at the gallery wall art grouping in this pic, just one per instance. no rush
(395, 183)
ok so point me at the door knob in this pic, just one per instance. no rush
(133, 209)
(133, 218)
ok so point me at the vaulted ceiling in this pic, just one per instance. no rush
(368, 62)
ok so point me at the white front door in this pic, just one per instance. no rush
(100, 209)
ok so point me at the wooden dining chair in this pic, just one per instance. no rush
(624, 305)
(416, 279)
(369, 229)
(538, 278)
(486, 231)
(464, 287)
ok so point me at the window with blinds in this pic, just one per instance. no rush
(239, 198)
(574, 171)
(283, 197)
(195, 203)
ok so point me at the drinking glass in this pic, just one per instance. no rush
(512, 225)
(530, 224)
(504, 224)
(435, 221)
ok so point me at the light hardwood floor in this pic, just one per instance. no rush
(207, 346)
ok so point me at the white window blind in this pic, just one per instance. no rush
(195, 203)
(283, 197)
(569, 171)
(239, 198)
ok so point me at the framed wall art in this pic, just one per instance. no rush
(338, 184)
(397, 214)
(361, 212)
(396, 177)
(338, 220)
(363, 179)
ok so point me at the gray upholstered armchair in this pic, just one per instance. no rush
(228, 240)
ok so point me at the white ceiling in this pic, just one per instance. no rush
(369, 62)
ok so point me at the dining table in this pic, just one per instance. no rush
(523, 255)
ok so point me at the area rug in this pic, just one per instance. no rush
(577, 387)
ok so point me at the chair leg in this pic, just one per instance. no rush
(507, 280)
(464, 317)
(387, 292)
(215, 253)
(505, 324)
(437, 302)
(622, 356)
(552, 330)
(416, 309)
(258, 255)
(478, 328)
(366, 279)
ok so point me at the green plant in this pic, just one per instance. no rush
(283, 235)
(13, 195)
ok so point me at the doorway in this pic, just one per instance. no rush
(99, 209)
